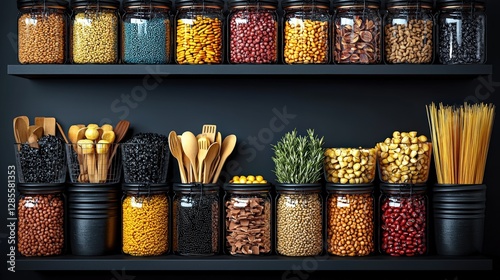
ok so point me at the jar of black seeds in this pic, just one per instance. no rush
(461, 31)
(196, 219)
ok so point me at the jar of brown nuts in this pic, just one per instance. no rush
(357, 29)
(41, 220)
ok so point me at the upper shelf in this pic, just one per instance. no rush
(140, 70)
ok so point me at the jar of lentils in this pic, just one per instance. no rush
(41, 30)
(196, 219)
(146, 31)
(461, 31)
(253, 31)
(306, 31)
(145, 214)
(94, 31)
(350, 220)
(357, 26)
(403, 220)
(299, 220)
(41, 220)
(199, 32)
(408, 32)
(247, 221)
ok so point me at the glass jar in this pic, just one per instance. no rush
(196, 219)
(299, 220)
(94, 31)
(306, 31)
(350, 220)
(350, 165)
(199, 31)
(247, 221)
(253, 31)
(41, 30)
(403, 220)
(146, 31)
(357, 26)
(41, 220)
(408, 32)
(145, 214)
(461, 31)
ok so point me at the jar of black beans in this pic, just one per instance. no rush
(462, 31)
(146, 31)
(196, 219)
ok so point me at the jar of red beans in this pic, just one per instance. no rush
(357, 28)
(403, 216)
(253, 31)
(41, 220)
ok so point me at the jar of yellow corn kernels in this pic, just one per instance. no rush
(198, 31)
(94, 31)
(145, 219)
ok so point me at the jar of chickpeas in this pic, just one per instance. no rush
(94, 31)
(145, 214)
(306, 31)
(199, 31)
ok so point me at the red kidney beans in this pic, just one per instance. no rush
(403, 226)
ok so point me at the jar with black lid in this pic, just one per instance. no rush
(461, 31)
(41, 30)
(146, 31)
(199, 26)
(403, 216)
(306, 31)
(94, 31)
(41, 220)
(408, 32)
(253, 31)
(357, 27)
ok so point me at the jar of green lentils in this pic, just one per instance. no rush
(199, 31)
(146, 31)
(94, 31)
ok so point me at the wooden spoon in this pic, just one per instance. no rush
(176, 151)
(22, 129)
(190, 148)
(210, 158)
(120, 130)
(61, 131)
(227, 148)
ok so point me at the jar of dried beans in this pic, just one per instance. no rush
(253, 31)
(41, 31)
(461, 31)
(94, 31)
(145, 214)
(247, 220)
(350, 220)
(357, 26)
(199, 32)
(41, 220)
(403, 220)
(306, 31)
(408, 32)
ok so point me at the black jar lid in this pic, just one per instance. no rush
(367, 3)
(443, 3)
(145, 188)
(40, 188)
(298, 187)
(317, 3)
(247, 187)
(402, 187)
(391, 3)
(132, 3)
(41, 3)
(261, 3)
(195, 187)
(189, 3)
(349, 187)
(101, 3)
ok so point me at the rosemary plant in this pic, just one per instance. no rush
(298, 159)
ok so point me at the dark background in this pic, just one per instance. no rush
(348, 111)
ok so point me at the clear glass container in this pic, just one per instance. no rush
(461, 31)
(196, 219)
(253, 31)
(350, 220)
(306, 31)
(247, 220)
(299, 219)
(146, 32)
(350, 165)
(41, 218)
(199, 29)
(403, 216)
(42, 31)
(408, 32)
(145, 219)
(357, 27)
(94, 32)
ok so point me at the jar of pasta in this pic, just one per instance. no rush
(94, 31)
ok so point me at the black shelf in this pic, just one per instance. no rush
(126, 70)
(254, 263)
